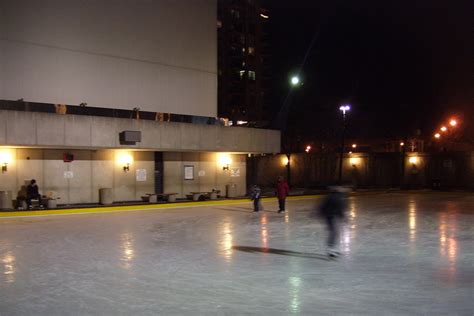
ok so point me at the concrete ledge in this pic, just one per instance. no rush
(35, 129)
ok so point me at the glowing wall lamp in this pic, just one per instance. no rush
(5, 159)
(413, 160)
(285, 161)
(354, 161)
(224, 160)
(125, 159)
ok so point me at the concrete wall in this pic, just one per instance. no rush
(80, 131)
(208, 173)
(159, 55)
(91, 170)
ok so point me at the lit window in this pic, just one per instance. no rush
(242, 74)
(251, 50)
(251, 75)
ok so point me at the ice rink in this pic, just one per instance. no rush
(403, 254)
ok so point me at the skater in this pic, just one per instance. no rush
(255, 195)
(282, 191)
(332, 210)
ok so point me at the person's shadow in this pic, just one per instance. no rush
(281, 252)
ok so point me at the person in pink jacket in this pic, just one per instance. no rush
(282, 191)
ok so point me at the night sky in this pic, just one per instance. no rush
(403, 65)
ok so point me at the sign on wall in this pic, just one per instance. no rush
(188, 172)
(68, 174)
(201, 173)
(141, 175)
(235, 172)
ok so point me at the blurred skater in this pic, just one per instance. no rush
(282, 191)
(255, 195)
(332, 210)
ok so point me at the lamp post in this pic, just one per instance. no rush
(343, 108)
(282, 120)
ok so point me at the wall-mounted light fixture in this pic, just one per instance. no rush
(224, 160)
(5, 159)
(413, 160)
(285, 160)
(125, 160)
(354, 161)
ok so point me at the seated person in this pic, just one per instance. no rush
(32, 192)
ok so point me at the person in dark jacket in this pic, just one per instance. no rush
(255, 195)
(32, 192)
(282, 191)
(332, 210)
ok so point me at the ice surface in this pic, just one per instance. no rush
(403, 254)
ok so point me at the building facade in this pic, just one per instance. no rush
(241, 50)
(75, 75)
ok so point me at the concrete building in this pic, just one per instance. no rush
(158, 56)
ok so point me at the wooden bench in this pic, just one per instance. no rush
(153, 197)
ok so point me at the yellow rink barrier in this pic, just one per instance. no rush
(133, 208)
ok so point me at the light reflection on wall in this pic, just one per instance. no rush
(226, 241)
(295, 287)
(128, 252)
(8, 261)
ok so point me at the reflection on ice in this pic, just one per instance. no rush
(8, 261)
(412, 221)
(128, 252)
(264, 231)
(448, 244)
(295, 302)
(349, 229)
(225, 241)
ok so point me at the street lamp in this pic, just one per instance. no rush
(295, 80)
(343, 108)
(453, 122)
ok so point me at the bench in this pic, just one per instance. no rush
(153, 197)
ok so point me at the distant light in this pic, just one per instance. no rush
(242, 122)
(443, 128)
(295, 80)
(413, 160)
(264, 16)
(350, 152)
(354, 145)
(308, 148)
(344, 108)
(437, 135)
(402, 144)
(453, 123)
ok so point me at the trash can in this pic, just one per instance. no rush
(213, 195)
(153, 198)
(51, 203)
(6, 200)
(106, 196)
(231, 190)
